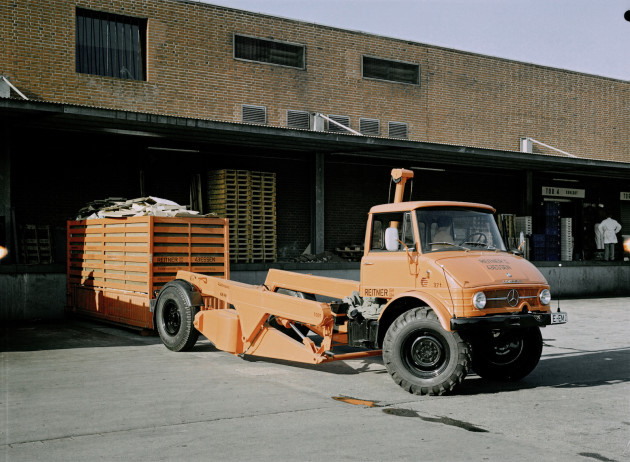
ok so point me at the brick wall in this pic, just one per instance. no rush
(462, 99)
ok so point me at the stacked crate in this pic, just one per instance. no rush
(248, 200)
(524, 225)
(552, 231)
(507, 227)
(539, 248)
(566, 239)
(264, 238)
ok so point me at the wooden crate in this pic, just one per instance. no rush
(116, 266)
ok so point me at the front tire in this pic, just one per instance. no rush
(507, 355)
(421, 356)
(174, 317)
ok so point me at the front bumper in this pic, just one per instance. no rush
(509, 321)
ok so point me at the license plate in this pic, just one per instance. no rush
(558, 318)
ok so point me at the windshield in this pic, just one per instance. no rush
(455, 228)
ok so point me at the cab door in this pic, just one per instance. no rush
(388, 268)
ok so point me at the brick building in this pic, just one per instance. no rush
(132, 98)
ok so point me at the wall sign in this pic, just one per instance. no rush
(563, 192)
(625, 196)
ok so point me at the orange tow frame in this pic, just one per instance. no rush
(245, 329)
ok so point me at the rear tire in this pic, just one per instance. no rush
(421, 356)
(507, 355)
(174, 317)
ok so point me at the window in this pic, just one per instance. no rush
(268, 51)
(457, 228)
(404, 231)
(393, 71)
(110, 45)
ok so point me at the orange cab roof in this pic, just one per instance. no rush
(405, 206)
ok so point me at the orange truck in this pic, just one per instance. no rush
(439, 295)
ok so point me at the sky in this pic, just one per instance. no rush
(589, 36)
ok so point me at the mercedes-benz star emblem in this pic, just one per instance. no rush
(512, 297)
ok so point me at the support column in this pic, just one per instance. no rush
(529, 193)
(317, 206)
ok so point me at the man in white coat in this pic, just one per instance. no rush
(609, 229)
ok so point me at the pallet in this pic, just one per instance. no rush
(248, 200)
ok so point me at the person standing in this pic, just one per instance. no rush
(609, 229)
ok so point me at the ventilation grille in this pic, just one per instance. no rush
(398, 130)
(298, 119)
(254, 114)
(343, 120)
(370, 127)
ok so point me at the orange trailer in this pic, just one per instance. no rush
(117, 265)
(438, 294)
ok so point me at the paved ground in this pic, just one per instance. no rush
(85, 391)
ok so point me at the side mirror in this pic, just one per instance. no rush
(391, 239)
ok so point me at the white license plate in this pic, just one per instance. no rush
(558, 318)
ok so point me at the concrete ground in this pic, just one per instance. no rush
(80, 390)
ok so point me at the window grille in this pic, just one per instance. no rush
(393, 71)
(268, 51)
(110, 45)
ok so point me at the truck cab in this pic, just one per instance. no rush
(450, 254)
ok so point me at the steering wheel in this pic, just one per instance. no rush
(476, 238)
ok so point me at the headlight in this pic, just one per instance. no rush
(479, 300)
(545, 296)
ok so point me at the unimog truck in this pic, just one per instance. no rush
(439, 295)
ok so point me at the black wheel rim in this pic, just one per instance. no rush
(425, 353)
(505, 349)
(171, 318)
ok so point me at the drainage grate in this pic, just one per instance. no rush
(254, 114)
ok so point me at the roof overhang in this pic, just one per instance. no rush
(168, 131)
